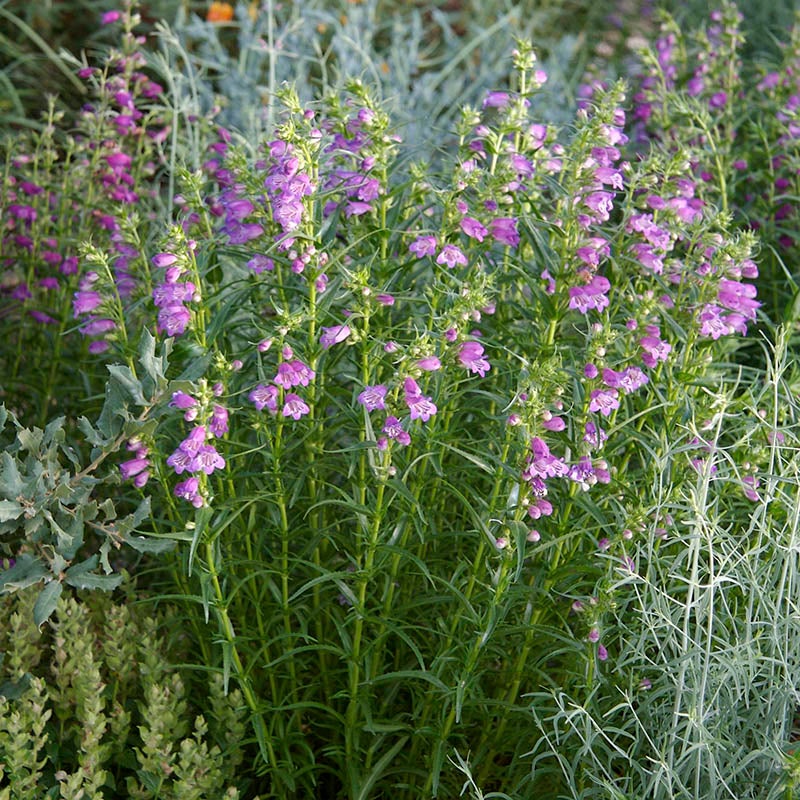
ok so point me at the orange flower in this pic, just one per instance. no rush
(220, 12)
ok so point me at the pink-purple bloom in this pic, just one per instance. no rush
(452, 256)
(294, 373)
(294, 406)
(333, 335)
(429, 363)
(590, 295)
(264, 396)
(504, 231)
(604, 401)
(423, 246)
(394, 430)
(421, 407)
(470, 354)
(373, 397)
(473, 228)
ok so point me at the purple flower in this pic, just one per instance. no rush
(594, 435)
(718, 100)
(554, 424)
(470, 354)
(132, 467)
(294, 406)
(421, 407)
(173, 320)
(85, 302)
(590, 295)
(172, 294)
(194, 441)
(496, 100)
(595, 248)
(182, 400)
(218, 424)
(333, 335)
(164, 259)
(541, 463)
(189, 490)
(423, 246)
(600, 204)
(654, 350)
(264, 397)
(110, 17)
(372, 397)
(98, 326)
(394, 430)
(207, 460)
(293, 373)
(504, 231)
(181, 461)
(647, 257)
(738, 296)
(604, 400)
(712, 322)
(429, 363)
(540, 508)
(749, 485)
(452, 256)
(260, 263)
(473, 228)
(629, 380)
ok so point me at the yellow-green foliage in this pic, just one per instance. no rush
(90, 709)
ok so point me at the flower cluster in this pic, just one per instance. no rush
(291, 372)
(196, 455)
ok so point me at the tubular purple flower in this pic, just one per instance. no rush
(207, 460)
(473, 228)
(182, 401)
(261, 263)
(504, 231)
(452, 256)
(85, 302)
(654, 349)
(394, 430)
(189, 490)
(294, 407)
(333, 335)
(97, 327)
(173, 320)
(373, 397)
(218, 424)
(129, 469)
(164, 259)
(421, 407)
(180, 461)
(423, 246)
(429, 363)
(604, 400)
(470, 354)
(264, 397)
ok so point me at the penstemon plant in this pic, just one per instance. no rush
(427, 439)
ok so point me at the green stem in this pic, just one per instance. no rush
(226, 628)
(351, 717)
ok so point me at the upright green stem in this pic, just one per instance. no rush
(229, 636)
(351, 717)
